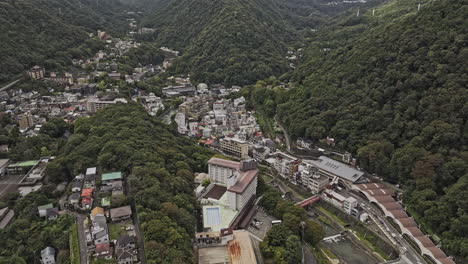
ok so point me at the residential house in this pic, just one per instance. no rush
(99, 230)
(125, 251)
(90, 177)
(96, 211)
(43, 209)
(77, 185)
(117, 185)
(52, 213)
(74, 199)
(48, 255)
(109, 178)
(103, 250)
(120, 213)
(87, 197)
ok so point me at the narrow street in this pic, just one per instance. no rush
(286, 135)
(308, 256)
(139, 236)
(81, 237)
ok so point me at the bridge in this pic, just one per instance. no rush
(308, 201)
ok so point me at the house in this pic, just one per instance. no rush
(109, 178)
(74, 199)
(304, 143)
(96, 211)
(87, 197)
(88, 192)
(103, 250)
(116, 185)
(48, 255)
(125, 251)
(90, 177)
(99, 230)
(43, 209)
(121, 213)
(77, 185)
(52, 213)
(86, 202)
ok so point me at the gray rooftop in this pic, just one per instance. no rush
(337, 168)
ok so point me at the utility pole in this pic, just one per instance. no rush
(373, 12)
(357, 13)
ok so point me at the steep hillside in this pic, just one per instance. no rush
(392, 88)
(235, 41)
(228, 41)
(158, 166)
(46, 30)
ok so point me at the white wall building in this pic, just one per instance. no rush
(240, 179)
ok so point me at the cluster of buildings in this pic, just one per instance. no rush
(226, 205)
(223, 124)
(93, 193)
(98, 237)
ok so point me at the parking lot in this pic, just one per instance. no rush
(260, 224)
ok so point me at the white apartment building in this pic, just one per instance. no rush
(181, 123)
(285, 164)
(349, 204)
(95, 104)
(240, 179)
(313, 180)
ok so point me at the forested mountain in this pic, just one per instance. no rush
(159, 168)
(234, 41)
(392, 88)
(46, 31)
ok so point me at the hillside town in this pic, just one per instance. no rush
(231, 222)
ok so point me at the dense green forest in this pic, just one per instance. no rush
(234, 42)
(159, 166)
(391, 88)
(47, 32)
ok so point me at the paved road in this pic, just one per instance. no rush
(81, 237)
(141, 244)
(286, 135)
(308, 256)
(5, 87)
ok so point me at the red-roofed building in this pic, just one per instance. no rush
(103, 250)
(86, 202)
(88, 192)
